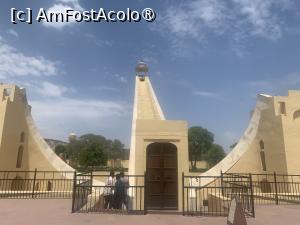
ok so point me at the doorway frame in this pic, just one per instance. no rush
(147, 182)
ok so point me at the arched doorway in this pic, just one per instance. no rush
(162, 177)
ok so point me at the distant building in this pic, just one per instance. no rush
(122, 162)
(72, 137)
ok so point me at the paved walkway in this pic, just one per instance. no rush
(57, 212)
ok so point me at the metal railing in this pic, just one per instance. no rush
(87, 191)
(275, 188)
(36, 184)
(82, 188)
(93, 197)
(214, 199)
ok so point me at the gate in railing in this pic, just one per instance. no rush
(211, 195)
(82, 188)
(90, 194)
(239, 185)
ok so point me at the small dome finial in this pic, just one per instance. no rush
(141, 69)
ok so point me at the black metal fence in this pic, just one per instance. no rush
(276, 188)
(211, 195)
(90, 194)
(82, 188)
(200, 197)
(36, 184)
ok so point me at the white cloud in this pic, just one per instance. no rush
(201, 20)
(52, 90)
(56, 117)
(13, 32)
(192, 18)
(14, 63)
(97, 41)
(191, 87)
(150, 60)
(121, 78)
(158, 73)
(276, 86)
(261, 17)
(206, 94)
(106, 88)
(67, 108)
(60, 7)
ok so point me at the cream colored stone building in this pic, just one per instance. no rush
(271, 142)
(158, 147)
(21, 145)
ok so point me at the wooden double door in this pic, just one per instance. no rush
(162, 177)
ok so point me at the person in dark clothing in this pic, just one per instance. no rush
(119, 194)
(126, 184)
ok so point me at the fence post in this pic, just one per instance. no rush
(222, 187)
(91, 183)
(183, 212)
(74, 191)
(34, 179)
(145, 193)
(276, 191)
(252, 195)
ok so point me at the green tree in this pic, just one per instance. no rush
(233, 145)
(61, 150)
(93, 138)
(76, 149)
(116, 149)
(215, 154)
(91, 150)
(73, 150)
(92, 154)
(200, 141)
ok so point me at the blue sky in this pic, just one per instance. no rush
(208, 60)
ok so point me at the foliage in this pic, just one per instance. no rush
(215, 154)
(60, 149)
(116, 149)
(202, 147)
(198, 170)
(200, 141)
(92, 154)
(90, 150)
(233, 145)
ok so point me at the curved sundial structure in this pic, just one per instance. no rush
(22, 148)
(271, 142)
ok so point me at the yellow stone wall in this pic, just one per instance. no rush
(150, 126)
(271, 133)
(15, 119)
(291, 129)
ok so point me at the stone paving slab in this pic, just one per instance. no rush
(57, 212)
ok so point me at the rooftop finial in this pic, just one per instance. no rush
(141, 69)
